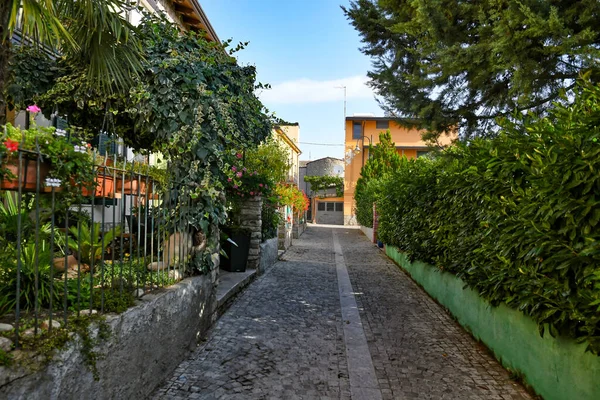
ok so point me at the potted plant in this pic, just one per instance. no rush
(28, 165)
(29, 156)
(103, 182)
(140, 178)
(236, 246)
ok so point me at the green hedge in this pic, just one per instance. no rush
(365, 195)
(516, 217)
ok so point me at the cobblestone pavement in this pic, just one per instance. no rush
(418, 350)
(283, 338)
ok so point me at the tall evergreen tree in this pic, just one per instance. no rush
(383, 160)
(465, 63)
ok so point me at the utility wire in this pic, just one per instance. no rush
(322, 144)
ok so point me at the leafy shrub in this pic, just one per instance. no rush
(516, 217)
(47, 289)
(366, 194)
(290, 195)
(270, 219)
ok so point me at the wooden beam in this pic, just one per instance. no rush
(183, 9)
(191, 20)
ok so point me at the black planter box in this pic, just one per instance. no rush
(237, 255)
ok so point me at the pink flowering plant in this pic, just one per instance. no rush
(244, 183)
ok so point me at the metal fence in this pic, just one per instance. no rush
(60, 259)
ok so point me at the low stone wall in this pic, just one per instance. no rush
(298, 230)
(368, 233)
(556, 368)
(146, 343)
(268, 254)
(285, 237)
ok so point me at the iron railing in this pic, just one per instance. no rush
(61, 260)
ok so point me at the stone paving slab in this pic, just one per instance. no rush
(283, 338)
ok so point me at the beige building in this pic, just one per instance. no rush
(289, 136)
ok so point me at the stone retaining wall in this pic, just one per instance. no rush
(146, 343)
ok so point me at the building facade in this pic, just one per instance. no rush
(289, 136)
(362, 130)
(326, 207)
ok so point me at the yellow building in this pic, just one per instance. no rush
(360, 131)
(289, 136)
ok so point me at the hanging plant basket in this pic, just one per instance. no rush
(29, 175)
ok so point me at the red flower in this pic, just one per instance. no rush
(239, 155)
(11, 145)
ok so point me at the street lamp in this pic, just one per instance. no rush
(358, 150)
(344, 120)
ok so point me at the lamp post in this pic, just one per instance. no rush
(343, 87)
(357, 149)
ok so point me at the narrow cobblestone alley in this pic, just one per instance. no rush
(295, 334)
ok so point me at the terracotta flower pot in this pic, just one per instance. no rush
(29, 175)
(134, 186)
(104, 187)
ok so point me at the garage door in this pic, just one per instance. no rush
(330, 212)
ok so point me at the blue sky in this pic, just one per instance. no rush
(302, 48)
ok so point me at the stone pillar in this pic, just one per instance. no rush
(251, 210)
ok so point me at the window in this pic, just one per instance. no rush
(330, 207)
(382, 124)
(321, 207)
(422, 153)
(357, 130)
(339, 207)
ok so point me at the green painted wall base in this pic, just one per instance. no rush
(556, 368)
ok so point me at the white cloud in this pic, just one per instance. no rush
(311, 91)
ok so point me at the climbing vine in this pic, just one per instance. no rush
(194, 105)
(322, 183)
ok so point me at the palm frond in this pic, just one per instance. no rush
(107, 41)
(39, 23)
